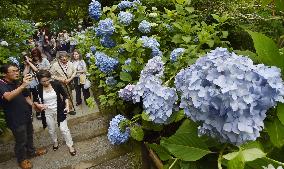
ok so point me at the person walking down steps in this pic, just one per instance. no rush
(55, 106)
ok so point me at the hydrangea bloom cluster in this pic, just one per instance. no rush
(126, 93)
(14, 60)
(158, 100)
(229, 95)
(115, 135)
(95, 10)
(153, 44)
(125, 18)
(107, 42)
(124, 5)
(144, 26)
(110, 81)
(105, 27)
(4, 43)
(105, 63)
(176, 53)
(128, 61)
(93, 48)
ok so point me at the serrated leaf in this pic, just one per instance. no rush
(280, 112)
(137, 133)
(185, 143)
(177, 39)
(231, 156)
(259, 163)
(267, 50)
(162, 152)
(276, 132)
(124, 76)
(225, 34)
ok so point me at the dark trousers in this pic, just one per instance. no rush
(24, 146)
(78, 88)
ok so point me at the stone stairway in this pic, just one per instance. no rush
(88, 129)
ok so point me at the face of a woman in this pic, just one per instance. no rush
(64, 59)
(45, 81)
(76, 55)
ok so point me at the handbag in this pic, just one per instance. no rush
(87, 84)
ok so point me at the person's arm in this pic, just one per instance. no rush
(12, 94)
(34, 68)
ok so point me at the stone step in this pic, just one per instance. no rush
(93, 152)
(82, 128)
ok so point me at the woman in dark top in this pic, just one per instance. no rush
(54, 104)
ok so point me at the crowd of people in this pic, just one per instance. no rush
(50, 71)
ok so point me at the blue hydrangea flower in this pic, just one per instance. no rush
(126, 93)
(151, 43)
(196, 39)
(125, 18)
(105, 63)
(229, 95)
(124, 5)
(93, 48)
(156, 52)
(144, 26)
(121, 50)
(105, 27)
(14, 60)
(176, 53)
(95, 10)
(115, 135)
(128, 61)
(158, 100)
(110, 81)
(107, 42)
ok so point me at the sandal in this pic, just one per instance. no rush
(55, 148)
(73, 153)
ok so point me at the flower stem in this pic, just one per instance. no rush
(220, 157)
(173, 163)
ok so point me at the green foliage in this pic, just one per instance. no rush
(15, 32)
(267, 51)
(137, 133)
(2, 122)
(185, 143)
(276, 132)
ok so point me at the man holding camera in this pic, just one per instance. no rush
(17, 104)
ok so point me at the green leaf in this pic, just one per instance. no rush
(124, 76)
(276, 132)
(252, 154)
(258, 163)
(137, 133)
(180, 1)
(237, 162)
(185, 143)
(267, 50)
(231, 156)
(177, 39)
(187, 39)
(280, 112)
(225, 34)
(189, 9)
(162, 152)
(145, 116)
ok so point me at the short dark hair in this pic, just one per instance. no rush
(43, 73)
(4, 68)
